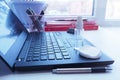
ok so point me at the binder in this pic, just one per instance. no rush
(65, 25)
(59, 25)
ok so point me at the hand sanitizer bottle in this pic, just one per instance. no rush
(78, 30)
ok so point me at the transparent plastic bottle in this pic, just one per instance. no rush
(78, 30)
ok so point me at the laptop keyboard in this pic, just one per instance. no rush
(46, 46)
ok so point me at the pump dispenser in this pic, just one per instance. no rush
(78, 30)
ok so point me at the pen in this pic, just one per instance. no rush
(81, 70)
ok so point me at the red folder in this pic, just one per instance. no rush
(59, 25)
(90, 25)
(65, 25)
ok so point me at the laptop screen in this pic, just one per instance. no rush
(8, 28)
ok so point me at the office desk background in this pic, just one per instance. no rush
(106, 38)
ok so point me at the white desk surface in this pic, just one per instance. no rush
(107, 39)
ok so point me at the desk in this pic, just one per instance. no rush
(107, 39)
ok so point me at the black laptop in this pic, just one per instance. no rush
(22, 50)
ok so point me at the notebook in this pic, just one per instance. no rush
(22, 50)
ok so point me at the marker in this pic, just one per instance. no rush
(81, 70)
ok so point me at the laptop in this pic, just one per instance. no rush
(24, 51)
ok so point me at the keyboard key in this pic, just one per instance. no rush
(66, 57)
(43, 53)
(56, 46)
(51, 52)
(36, 52)
(36, 55)
(65, 53)
(29, 58)
(57, 51)
(63, 48)
(43, 48)
(50, 47)
(43, 57)
(51, 56)
(59, 56)
(37, 49)
(35, 59)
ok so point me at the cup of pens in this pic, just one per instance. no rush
(30, 13)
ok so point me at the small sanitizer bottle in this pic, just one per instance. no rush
(78, 30)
